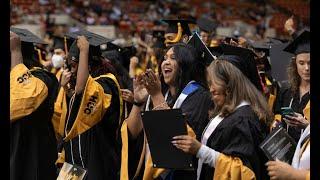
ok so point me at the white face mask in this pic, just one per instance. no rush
(57, 61)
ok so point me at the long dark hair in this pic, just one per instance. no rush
(115, 60)
(188, 68)
(101, 67)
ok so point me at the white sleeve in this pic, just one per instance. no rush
(208, 155)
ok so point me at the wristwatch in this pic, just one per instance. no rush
(139, 104)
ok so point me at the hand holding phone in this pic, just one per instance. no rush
(287, 111)
(292, 118)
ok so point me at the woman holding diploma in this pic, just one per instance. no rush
(179, 86)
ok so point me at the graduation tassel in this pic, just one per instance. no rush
(178, 37)
(65, 45)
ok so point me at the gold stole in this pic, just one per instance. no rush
(27, 92)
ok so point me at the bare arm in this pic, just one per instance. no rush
(15, 48)
(83, 69)
(133, 64)
(134, 121)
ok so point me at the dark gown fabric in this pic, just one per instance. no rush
(239, 135)
(100, 147)
(283, 100)
(195, 107)
(33, 149)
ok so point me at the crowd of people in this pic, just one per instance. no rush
(145, 14)
(76, 104)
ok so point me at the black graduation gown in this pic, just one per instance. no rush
(195, 107)
(238, 135)
(32, 140)
(100, 147)
(283, 100)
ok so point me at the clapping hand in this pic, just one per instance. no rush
(152, 82)
(140, 93)
(127, 95)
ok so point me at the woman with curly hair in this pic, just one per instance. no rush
(297, 95)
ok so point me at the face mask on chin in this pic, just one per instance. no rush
(57, 61)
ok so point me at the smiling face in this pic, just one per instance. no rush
(303, 66)
(169, 68)
(217, 90)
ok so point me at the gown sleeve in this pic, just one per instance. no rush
(28, 89)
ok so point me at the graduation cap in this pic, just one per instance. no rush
(58, 42)
(120, 53)
(243, 59)
(262, 46)
(201, 49)
(159, 43)
(28, 39)
(206, 24)
(175, 23)
(94, 40)
(27, 36)
(157, 33)
(301, 44)
(227, 39)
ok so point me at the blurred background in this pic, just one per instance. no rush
(130, 22)
(123, 19)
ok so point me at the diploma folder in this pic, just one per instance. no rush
(160, 127)
(279, 144)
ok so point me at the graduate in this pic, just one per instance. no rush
(32, 93)
(176, 88)
(207, 30)
(262, 57)
(243, 59)
(297, 95)
(177, 31)
(114, 55)
(59, 55)
(89, 108)
(229, 146)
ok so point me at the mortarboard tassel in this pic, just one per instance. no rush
(65, 45)
(178, 37)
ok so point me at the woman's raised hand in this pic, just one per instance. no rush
(140, 93)
(152, 82)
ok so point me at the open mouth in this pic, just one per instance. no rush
(167, 71)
